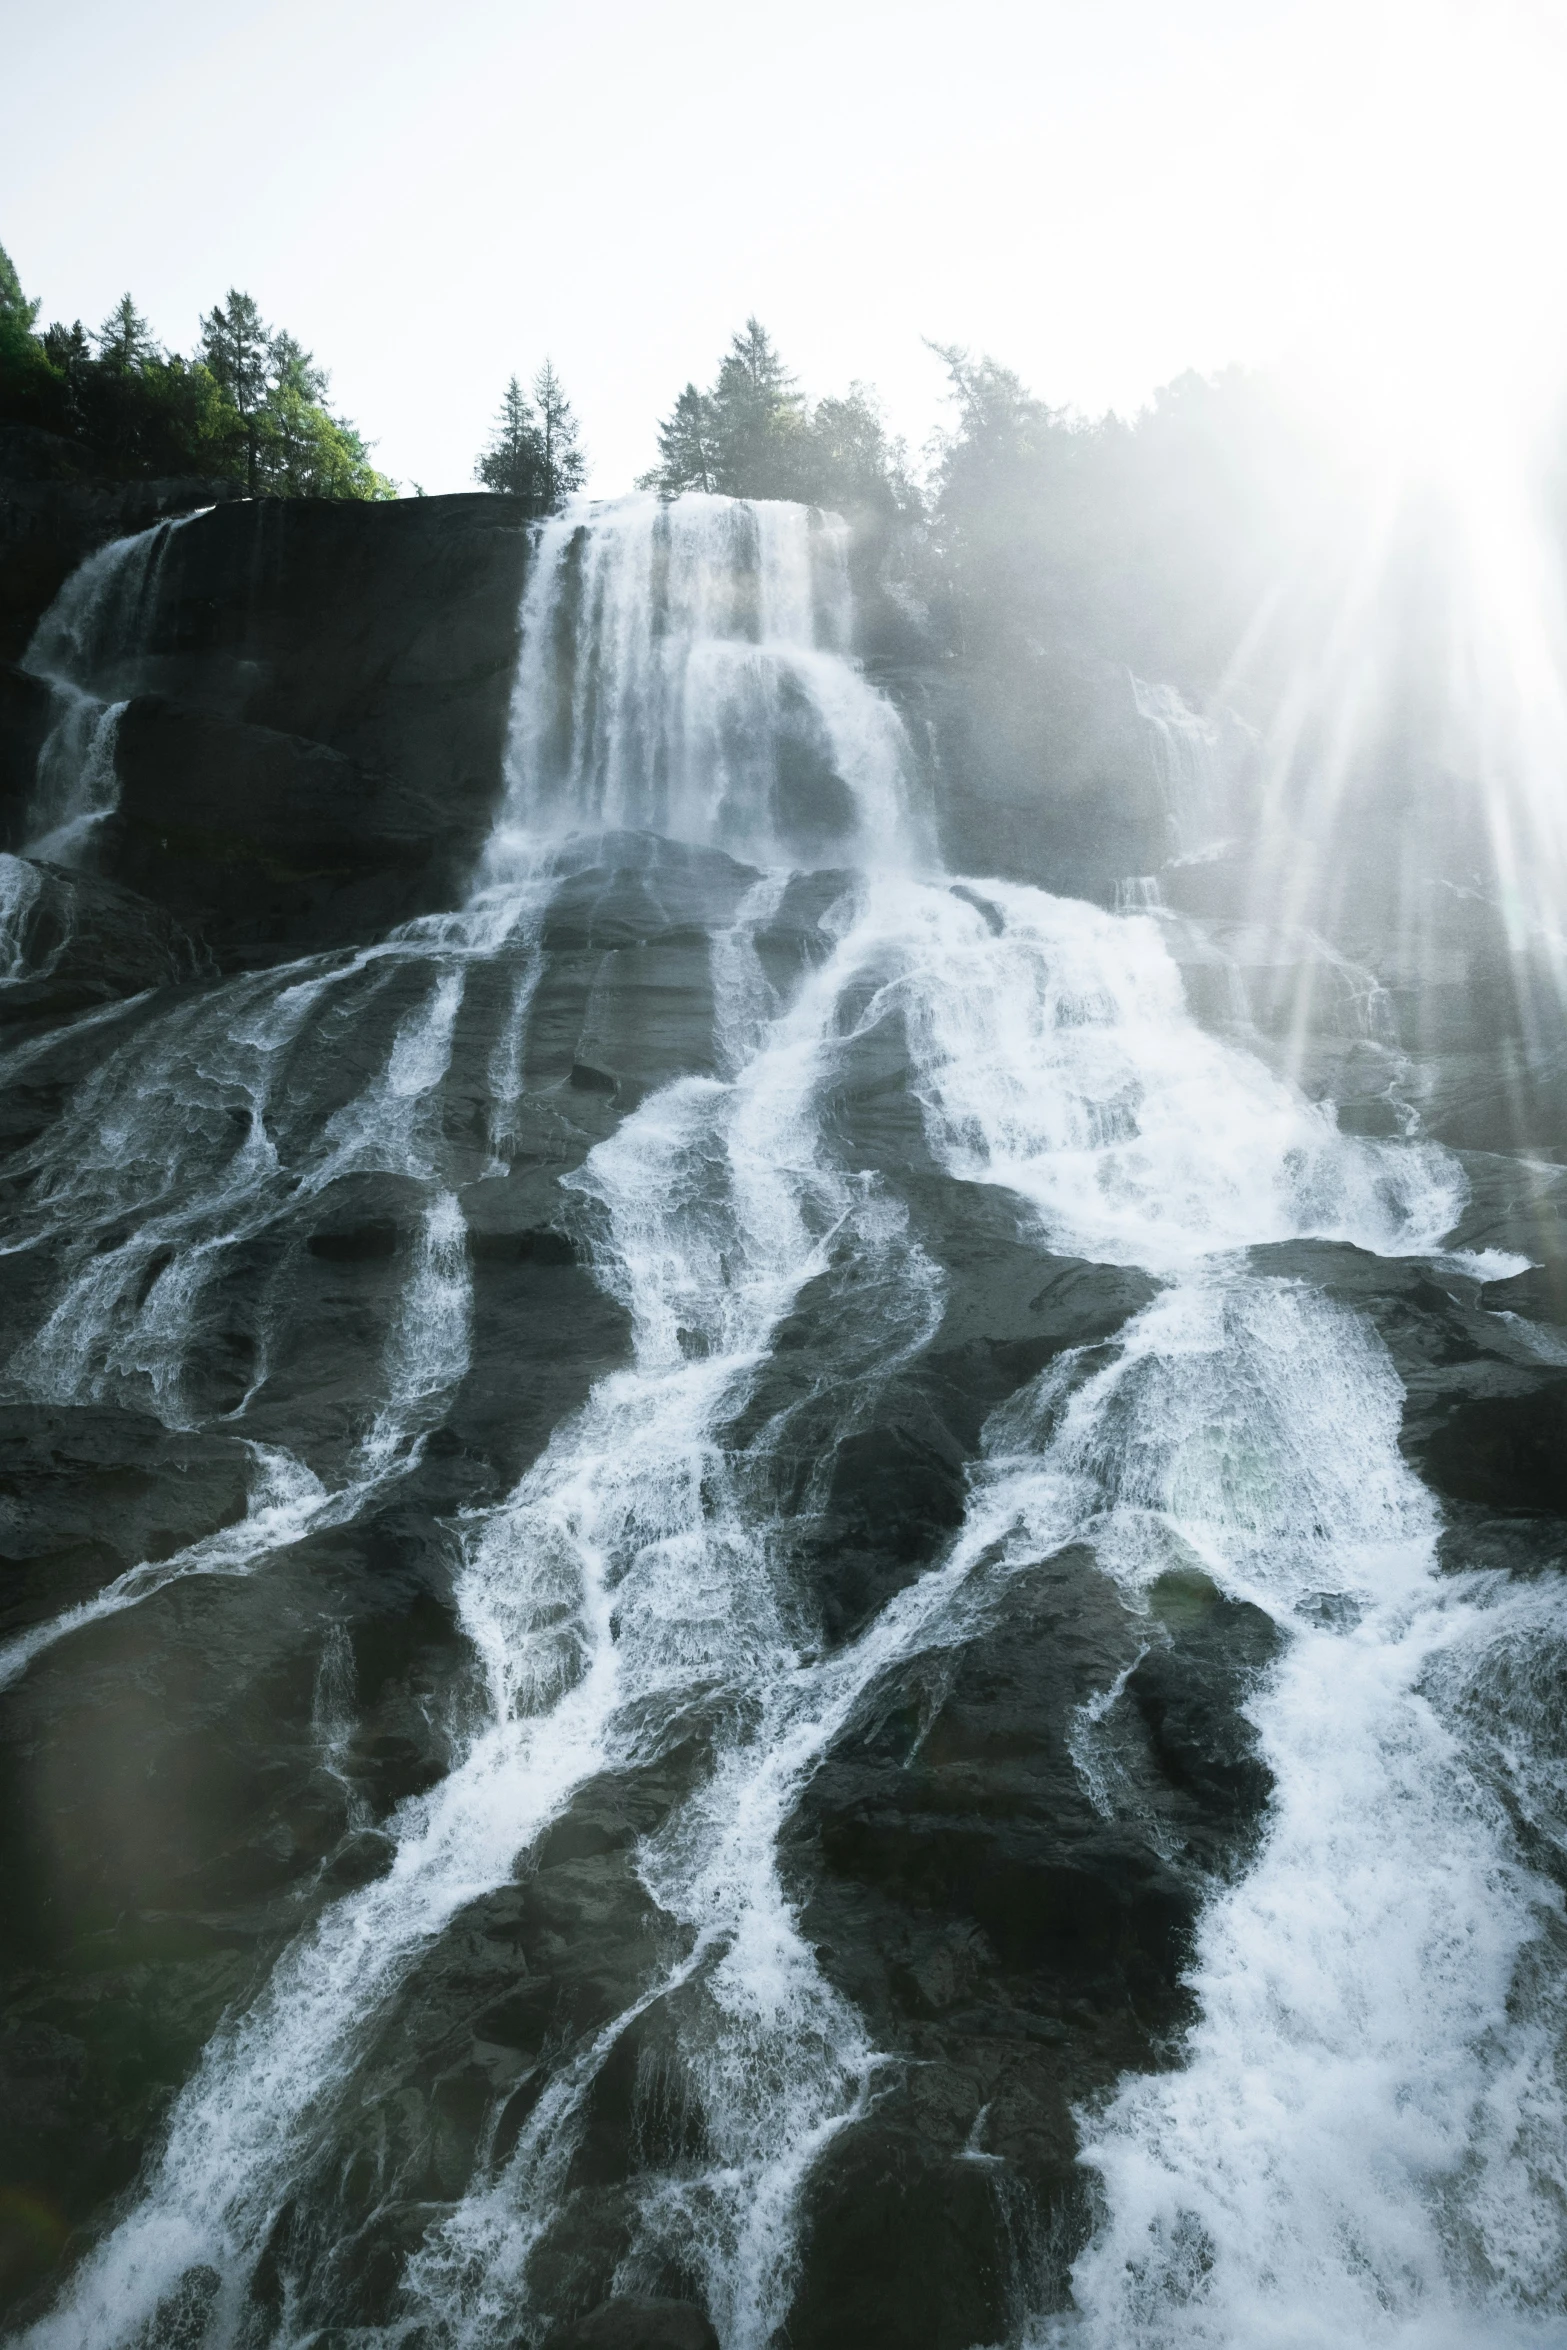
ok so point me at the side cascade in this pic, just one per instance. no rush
(85, 650)
(1360, 2139)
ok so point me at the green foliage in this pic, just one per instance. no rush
(21, 354)
(1152, 543)
(754, 435)
(564, 465)
(510, 464)
(250, 401)
(534, 453)
(16, 312)
(688, 447)
(125, 339)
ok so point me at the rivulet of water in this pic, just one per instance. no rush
(1361, 2139)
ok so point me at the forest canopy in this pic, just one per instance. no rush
(249, 404)
(1027, 530)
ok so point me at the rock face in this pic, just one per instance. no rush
(51, 519)
(324, 1245)
(316, 699)
(72, 941)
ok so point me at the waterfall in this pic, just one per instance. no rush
(684, 671)
(1195, 760)
(83, 648)
(1359, 2139)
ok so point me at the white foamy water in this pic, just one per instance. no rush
(683, 671)
(1365, 2140)
(86, 642)
(194, 1142)
(1360, 2141)
(20, 884)
(610, 1593)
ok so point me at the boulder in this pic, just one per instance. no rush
(628, 2323)
(71, 941)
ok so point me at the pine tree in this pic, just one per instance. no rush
(745, 437)
(687, 447)
(564, 466)
(67, 347)
(294, 369)
(513, 463)
(759, 415)
(125, 339)
(236, 347)
(755, 370)
(15, 308)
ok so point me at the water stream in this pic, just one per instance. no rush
(1363, 2139)
(84, 647)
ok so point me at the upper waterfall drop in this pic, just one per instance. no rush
(86, 649)
(685, 669)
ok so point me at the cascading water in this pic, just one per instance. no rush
(683, 671)
(1362, 2138)
(84, 648)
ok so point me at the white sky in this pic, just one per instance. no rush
(1101, 192)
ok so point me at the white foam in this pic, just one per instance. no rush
(683, 671)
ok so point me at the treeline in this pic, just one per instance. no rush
(1170, 543)
(1032, 532)
(249, 404)
(1026, 530)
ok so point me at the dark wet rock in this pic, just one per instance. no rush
(1485, 1405)
(255, 836)
(65, 2148)
(1189, 1689)
(627, 2323)
(26, 714)
(87, 1490)
(531, 1972)
(1012, 1944)
(319, 698)
(167, 1814)
(1043, 772)
(1538, 1295)
(1508, 1452)
(82, 941)
(874, 1497)
(52, 517)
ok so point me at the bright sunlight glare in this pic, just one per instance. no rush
(1441, 341)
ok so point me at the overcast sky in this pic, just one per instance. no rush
(1101, 192)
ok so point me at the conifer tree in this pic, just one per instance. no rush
(534, 453)
(236, 347)
(564, 466)
(15, 308)
(687, 447)
(513, 462)
(125, 339)
(294, 369)
(759, 415)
